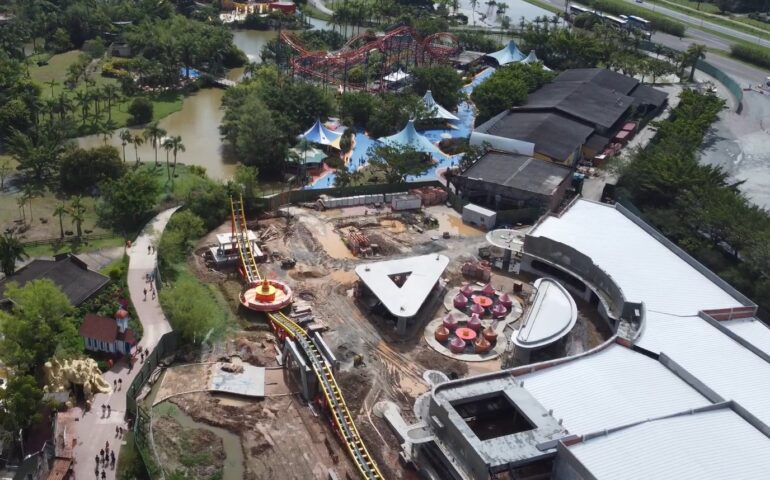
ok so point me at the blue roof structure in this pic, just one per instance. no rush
(509, 54)
(322, 135)
(409, 137)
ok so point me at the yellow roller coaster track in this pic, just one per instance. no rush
(342, 420)
(338, 409)
(241, 232)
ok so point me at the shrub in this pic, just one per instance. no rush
(756, 55)
(140, 111)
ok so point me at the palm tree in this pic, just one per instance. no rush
(82, 99)
(177, 146)
(65, 105)
(59, 211)
(474, 4)
(153, 134)
(167, 146)
(138, 141)
(125, 139)
(77, 211)
(11, 250)
(112, 95)
(52, 83)
(28, 192)
(695, 52)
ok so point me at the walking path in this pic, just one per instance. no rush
(94, 428)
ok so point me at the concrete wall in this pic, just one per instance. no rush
(578, 265)
(455, 440)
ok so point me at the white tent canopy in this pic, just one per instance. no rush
(396, 76)
(437, 111)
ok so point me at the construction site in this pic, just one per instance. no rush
(343, 322)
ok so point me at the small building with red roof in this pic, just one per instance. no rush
(109, 335)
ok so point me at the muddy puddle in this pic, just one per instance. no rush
(333, 244)
(393, 226)
(233, 464)
(450, 221)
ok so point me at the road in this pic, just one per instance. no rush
(690, 20)
(694, 26)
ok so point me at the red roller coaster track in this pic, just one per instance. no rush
(398, 47)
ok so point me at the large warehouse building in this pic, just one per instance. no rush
(680, 390)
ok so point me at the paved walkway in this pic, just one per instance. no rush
(94, 429)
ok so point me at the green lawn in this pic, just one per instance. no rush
(311, 11)
(73, 247)
(163, 104)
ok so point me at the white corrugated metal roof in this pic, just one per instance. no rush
(552, 315)
(615, 386)
(645, 269)
(424, 271)
(753, 331)
(710, 445)
(724, 365)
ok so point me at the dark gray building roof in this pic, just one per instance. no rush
(585, 101)
(519, 172)
(554, 135)
(601, 77)
(68, 272)
(645, 95)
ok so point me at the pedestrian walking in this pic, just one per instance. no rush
(97, 461)
(104, 474)
(153, 294)
(121, 431)
(120, 384)
(101, 452)
(148, 249)
(114, 384)
(109, 412)
(117, 431)
(145, 294)
(112, 458)
(103, 409)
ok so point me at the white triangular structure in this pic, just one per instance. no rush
(508, 54)
(422, 274)
(437, 110)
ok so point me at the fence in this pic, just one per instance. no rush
(278, 200)
(168, 344)
(53, 241)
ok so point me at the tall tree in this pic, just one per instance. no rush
(59, 211)
(168, 146)
(137, 141)
(176, 147)
(39, 326)
(11, 250)
(125, 139)
(398, 162)
(77, 212)
(695, 52)
(153, 134)
(126, 202)
(22, 401)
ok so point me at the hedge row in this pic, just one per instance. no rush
(660, 23)
(758, 56)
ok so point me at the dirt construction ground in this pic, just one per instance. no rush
(281, 437)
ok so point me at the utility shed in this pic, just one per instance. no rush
(503, 181)
(479, 216)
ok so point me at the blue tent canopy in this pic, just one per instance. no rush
(322, 135)
(509, 54)
(408, 137)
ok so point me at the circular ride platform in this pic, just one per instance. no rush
(266, 296)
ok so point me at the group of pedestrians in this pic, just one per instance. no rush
(150, 280)
(105, 459)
